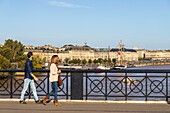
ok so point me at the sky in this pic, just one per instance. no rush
(143, 24)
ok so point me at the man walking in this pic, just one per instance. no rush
(29, 80)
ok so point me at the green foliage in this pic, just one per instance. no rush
(74, 61)
(109, 60)
(78, 61)
(37, 66)
(6, 52)
(95, 61)
(4, 62)
(90, 61)
(21, 64)
(105, 60)
(66, 60)
(100, 60)
(38, 62)
(12, 52)
(114, 60)
(84, 61)
(70, 61)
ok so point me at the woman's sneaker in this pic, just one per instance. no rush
(22, 102)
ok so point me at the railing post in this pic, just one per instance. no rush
(86, 86)
(126, 77)
(146, 87)
(67, 94)
(106, 95)
(77, 86)
(11, 85)
(48, 82)
(167, 96)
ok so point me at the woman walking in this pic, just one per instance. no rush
(54, 71)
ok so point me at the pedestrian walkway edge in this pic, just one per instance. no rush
(95, 101)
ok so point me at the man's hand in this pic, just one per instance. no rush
(36, 79)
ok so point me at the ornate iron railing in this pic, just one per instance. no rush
(93, 84)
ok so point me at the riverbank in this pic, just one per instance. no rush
(151, 63)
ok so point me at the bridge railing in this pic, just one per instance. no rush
(93, 84)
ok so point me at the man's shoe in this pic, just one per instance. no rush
(22, 102)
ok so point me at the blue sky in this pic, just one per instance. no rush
(100, 23)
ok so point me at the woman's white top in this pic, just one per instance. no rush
(53, 73)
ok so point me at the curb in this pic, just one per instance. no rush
(93, 101)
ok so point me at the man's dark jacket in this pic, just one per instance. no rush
(28, 69)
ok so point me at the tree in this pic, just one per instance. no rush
(90, 61)
(66, 60)
(114, 61)
(105, 60)
(84, 61)
(4, 62)
(109, 61)
(38, 62)
(70, 61)
(78, 61)
(95, 61)
(13, 51)
(100, 60)
(6, 52)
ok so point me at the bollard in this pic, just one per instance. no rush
(77, 86)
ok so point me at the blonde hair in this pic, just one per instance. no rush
(53, 57)
(52, 61)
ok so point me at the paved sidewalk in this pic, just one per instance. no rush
(83, 107)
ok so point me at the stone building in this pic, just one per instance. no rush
(157, 54)
(70, 52)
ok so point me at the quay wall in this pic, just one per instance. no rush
(152, 63)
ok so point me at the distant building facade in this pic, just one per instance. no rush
(70, 52)
(157, 54)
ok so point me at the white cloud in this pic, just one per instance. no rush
(66, 4)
